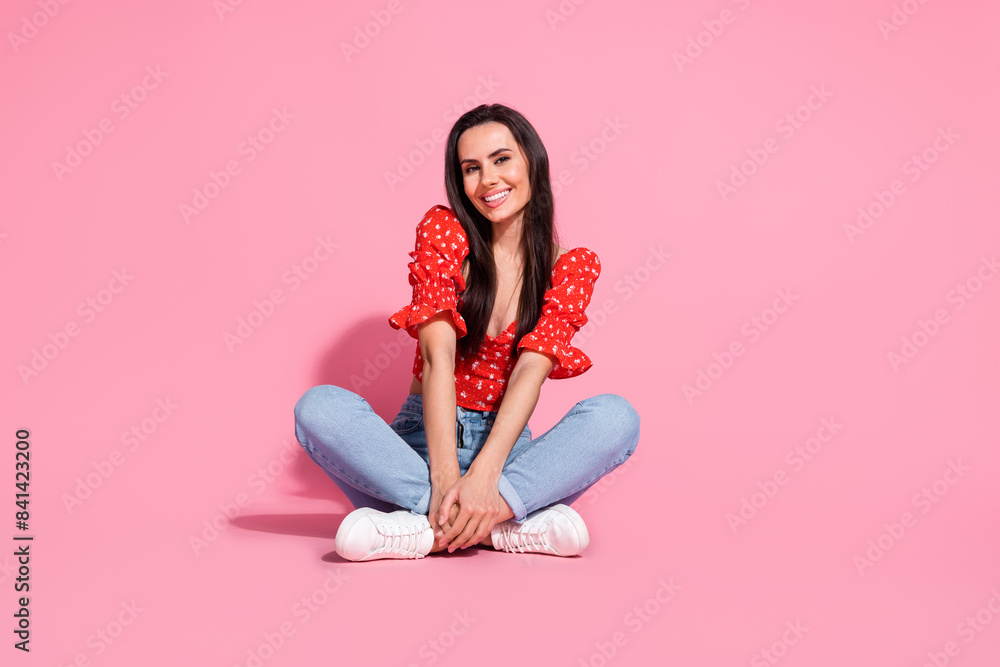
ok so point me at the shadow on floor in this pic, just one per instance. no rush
(305, 525)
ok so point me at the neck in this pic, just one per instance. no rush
(507, 238)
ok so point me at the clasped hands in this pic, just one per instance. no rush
(464, 508)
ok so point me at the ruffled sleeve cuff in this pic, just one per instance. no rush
(435, 272)
(430, 297)
(570, 361)
(563, 313)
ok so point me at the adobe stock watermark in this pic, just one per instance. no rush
(263, 309)
(31, 24)
(914, 167)
(779, 648)
(373, 366)
(302, 610)
(635, 620)
(713, 29)
(425, 146)
(899, 17)
(968, 629)
(131, 439)
(365, 34)
(223, 7)
(797, 457)
(105, 636)
(562, 12)
(627, 286)
(212, 528)
(926, 330)
(249, 149)
(8, 568)
(122, 107)
(88, 310)
(787, 126)
(923, 500)
(752, 329)
(435, 647)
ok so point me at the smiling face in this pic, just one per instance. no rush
(494, 172)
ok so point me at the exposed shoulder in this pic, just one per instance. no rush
(575, 255)
(560, 251)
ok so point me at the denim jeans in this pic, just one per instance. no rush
(386, 466)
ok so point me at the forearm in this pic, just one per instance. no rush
(519, 401)
(440, 417)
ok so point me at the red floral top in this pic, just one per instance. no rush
(436, 277)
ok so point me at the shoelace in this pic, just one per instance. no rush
(399, 540)
(524, 537)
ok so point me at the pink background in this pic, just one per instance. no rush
(659, 138)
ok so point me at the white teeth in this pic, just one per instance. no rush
(499, 195)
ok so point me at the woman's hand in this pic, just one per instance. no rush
(480, 506)
(440, 483)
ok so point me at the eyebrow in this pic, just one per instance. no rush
(488, 157)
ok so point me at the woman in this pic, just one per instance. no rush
(458, 466)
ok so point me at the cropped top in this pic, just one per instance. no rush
(436, 278)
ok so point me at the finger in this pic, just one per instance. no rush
(440, 532)
(463, 540)
(450, 513)
(432, 514)
(485, 528)
(446, 526)
(453, 531)
(450, 497)
(456, 528)
(450, 519)
(481, 532)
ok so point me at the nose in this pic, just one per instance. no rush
(489, 177)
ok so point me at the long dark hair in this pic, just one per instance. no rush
(537, 238)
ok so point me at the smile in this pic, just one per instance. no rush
(497, 199)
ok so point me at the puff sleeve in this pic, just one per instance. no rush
(563, 312)
(435, 272)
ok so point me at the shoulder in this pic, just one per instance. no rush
(440, 219)
(440, 229)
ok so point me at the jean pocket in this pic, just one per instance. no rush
(406, 423)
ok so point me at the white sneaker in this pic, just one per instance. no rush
(367, 534)
(556, 530)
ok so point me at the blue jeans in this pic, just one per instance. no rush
(386, 466)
